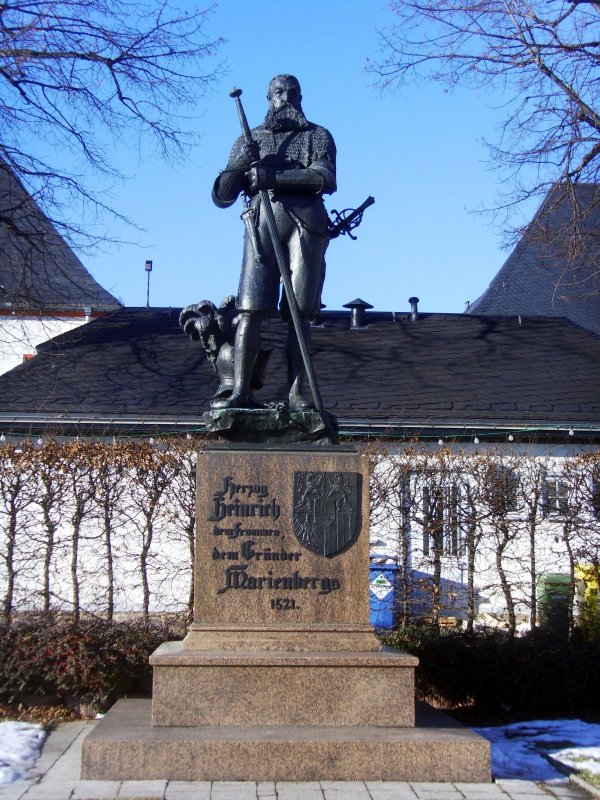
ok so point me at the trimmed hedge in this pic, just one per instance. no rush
(92, 662)
(534, 675)
(95, 662)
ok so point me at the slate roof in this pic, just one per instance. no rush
(38, 269)
(543, 275)
(134, 368)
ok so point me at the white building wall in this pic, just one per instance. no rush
(397, 534)
(19, 335)
(399, 517)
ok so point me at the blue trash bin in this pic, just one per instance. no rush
(382, 594)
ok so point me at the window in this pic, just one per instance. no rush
(555, 496)
(441, 528)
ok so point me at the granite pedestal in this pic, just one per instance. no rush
(281, 676)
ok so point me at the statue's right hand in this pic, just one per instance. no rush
(250, 153)
(261, 178)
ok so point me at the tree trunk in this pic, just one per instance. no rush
(9, 560)
(110, 576)
(48, 553)
(532, 574)
(470, 545)
(77, 518)
(504, 584)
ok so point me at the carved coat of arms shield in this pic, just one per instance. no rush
(326, 510)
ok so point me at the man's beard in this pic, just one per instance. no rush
(286, 118)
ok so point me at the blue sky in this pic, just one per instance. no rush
(419, 153)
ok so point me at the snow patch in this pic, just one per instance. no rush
(20, 746)
(537, 750)
(580, 759)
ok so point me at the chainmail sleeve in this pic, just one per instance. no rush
(322, 158)
(230, 182)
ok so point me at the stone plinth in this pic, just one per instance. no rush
(281, 676)
(300, 638)
(282, 550)
(125, 746)
(336, 688)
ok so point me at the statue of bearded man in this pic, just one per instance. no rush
(295, 161)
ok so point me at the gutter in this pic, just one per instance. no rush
(556, 430)
(414, 430)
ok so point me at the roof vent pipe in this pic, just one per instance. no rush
(414, 308)
(358, 309)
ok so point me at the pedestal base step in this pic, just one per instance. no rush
(274, 688)
(124, 746)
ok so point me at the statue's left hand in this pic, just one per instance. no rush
(261, 178)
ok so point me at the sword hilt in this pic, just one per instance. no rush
(236, 94)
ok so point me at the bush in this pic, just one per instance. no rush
(92, 661)
(536, 674)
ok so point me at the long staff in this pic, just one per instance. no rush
(284, 270)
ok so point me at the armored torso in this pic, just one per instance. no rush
(311, 146)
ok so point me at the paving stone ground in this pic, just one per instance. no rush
(56, 777)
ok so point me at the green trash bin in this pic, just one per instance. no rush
(554, 592)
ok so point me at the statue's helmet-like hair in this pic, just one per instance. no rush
(283, 78)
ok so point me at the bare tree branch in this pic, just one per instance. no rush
(543, 57)
(78, 75)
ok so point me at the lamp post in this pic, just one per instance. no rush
(148, 271)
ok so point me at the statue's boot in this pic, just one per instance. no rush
(298, 398)
(246, 347)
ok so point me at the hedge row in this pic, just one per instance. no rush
(95, 662)
(534, 675)
(91, 663)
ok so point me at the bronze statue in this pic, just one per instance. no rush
(282, 168)
(287, 163)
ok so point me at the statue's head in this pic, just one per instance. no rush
(285, 109)
(284, 89)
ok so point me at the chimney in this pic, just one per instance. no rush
(358, 308)
(414, 308)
